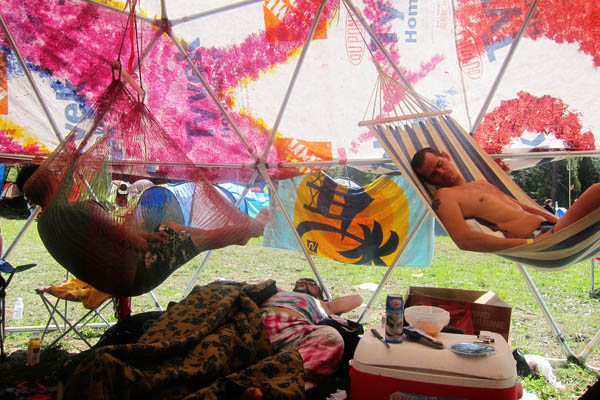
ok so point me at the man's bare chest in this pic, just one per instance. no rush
(475, 197)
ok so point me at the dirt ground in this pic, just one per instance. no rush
(18, 381)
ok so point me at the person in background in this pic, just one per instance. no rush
(122, 210)
(548, 206)
(121, 196)
(122, 304)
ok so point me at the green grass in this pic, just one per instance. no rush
(566, 293)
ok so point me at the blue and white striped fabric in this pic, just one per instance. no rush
(401, 140)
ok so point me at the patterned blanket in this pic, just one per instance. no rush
(211, 345)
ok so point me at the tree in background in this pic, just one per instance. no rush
(355, 175)
(544, 181)
(588, 172)
(537, 181)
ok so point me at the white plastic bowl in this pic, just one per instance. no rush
(428, 318)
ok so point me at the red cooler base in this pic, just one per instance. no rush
(364, 386)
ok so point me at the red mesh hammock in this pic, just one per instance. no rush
(128, 251)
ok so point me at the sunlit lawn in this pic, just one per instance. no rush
(566, 292)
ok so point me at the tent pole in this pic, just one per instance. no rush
(593, 292)
(391, 268)
(381, 47)
(288, 92)
(375, 39)
(334, 162)
(176, 21)
(583, 356)
(273, 192)
(163, 10)
(119, 10)
(212, 94)
(34, 213)
(507, 60)
(36, 90)
(296, 164)
(229, 7)
(155, 300)
(194, 277)
(546, 311)
(547, 154)
(162, 28)
(98, 119)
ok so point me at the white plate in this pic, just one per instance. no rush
(473, 349)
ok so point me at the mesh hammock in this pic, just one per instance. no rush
(128, 251)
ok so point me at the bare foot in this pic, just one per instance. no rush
(263, 216)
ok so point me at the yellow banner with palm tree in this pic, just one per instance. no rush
(356, 225)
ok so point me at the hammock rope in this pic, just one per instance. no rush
(397, 102)
(412, 127)
(128, 253)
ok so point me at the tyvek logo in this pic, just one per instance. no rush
(385, 14)
(411, 22)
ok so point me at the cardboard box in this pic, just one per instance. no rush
(470, 310)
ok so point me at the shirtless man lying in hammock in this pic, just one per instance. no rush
(457, 200)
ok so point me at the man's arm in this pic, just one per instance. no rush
(537, 210)
(109, 230)
(450, 213)
(342, 304)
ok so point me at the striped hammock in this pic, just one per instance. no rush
(403, 135)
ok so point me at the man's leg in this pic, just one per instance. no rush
(321, 350)
(320, 346)
(586, 203)
(208, 239)
(205, 239)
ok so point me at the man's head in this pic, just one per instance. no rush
(435, 167)
(548, 202)
(41, 188)
(309, 286)
(24, 174)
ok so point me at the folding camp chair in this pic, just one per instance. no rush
(9, 269)
(74, 291)
(417, 124)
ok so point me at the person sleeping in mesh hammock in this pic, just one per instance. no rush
(457, 200)
(118, 258)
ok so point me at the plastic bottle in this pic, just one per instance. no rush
(33, 351)
(18, 309)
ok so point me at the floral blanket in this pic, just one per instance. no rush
(211, 345)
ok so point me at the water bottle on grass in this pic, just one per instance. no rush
(18, 309)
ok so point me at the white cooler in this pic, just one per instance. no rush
(411, 370)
